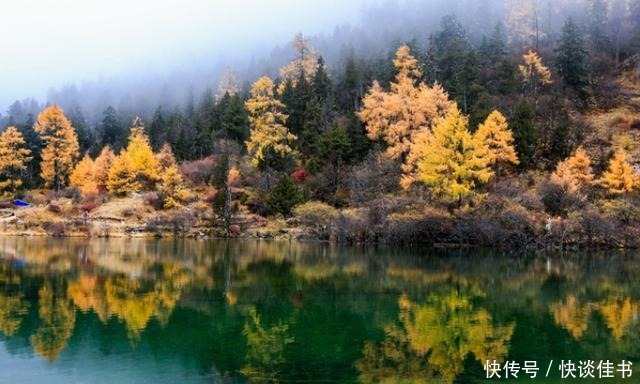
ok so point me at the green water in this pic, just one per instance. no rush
(147, 311)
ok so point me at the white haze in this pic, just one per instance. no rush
(56, 43)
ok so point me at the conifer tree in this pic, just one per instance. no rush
(222, 202)
(102, 165)
(408, 110)
(571, 59)
(136, 168)
(620, 177)
(83, 176)
(495, 142)
(60, 146)
(598, 19)
(171, 189)
(158, 130)
(34, 144)
(111, 130)
(234, 121)
(269, 141)
(534, 75)
(285, 195)
(452, 166)
(14, 156)
(524, 131)
(80, 125)
(228, 85)
(165, 158)
(574, 172)
(304, 62)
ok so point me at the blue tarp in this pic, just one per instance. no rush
(20, 203)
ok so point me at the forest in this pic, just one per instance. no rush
(521, 133)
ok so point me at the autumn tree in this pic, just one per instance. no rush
(522, 22)
(494, 140)
(534, 74)
(620, 177)
(83, 176)
(102, 165)
(575, 172)
(269, 141)
(171, 189)
(406, 111)
(452, 165)
(60, 146)
(136, 168)
(228, 85)
(165, 158)
(304, 62)
(14, 157)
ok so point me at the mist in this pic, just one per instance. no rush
(121, 44)
(138, 55)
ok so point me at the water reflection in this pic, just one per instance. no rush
(203, 311)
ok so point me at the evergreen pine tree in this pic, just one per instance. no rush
(111, 129)
(571, 59)
(525, 134)
(285, 195)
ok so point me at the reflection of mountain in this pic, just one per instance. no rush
(285, 311)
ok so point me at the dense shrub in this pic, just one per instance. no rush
(314, 213)
(198, 172)
(372, 179)
(88, 206)
(285, 195)
(627, 211)
(300, 175)
(54, 228)
(558, 199)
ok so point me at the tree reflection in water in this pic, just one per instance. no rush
(287, 311)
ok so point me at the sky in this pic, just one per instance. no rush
(52, 43)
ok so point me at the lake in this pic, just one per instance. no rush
(201, 311)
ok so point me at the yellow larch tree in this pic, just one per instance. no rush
(620, 177)
(522, 22)
(574, 172)
(121, 178)
(494, 142)
(83, 176)
(452, 165)
(404, 114)
(173, 193)
(304, 63)
(14, 157)
(102, 164)
(171, 187)
(165, 158)
(228, 84)
(60, 146)
(136, 168)
(534, 74)
(268, 134)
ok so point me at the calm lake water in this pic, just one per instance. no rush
(187, 311)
